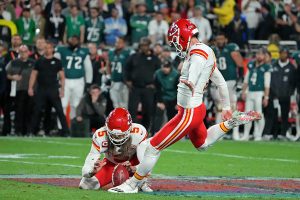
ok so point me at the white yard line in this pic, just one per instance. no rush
(34, 156)
(156, 176)
(45, 141)
(234, 156)
(41, 163)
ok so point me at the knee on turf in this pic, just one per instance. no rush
(203, 147)
(89, 183)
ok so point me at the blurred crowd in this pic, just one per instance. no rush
(114, 53)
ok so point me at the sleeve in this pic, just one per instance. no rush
(208, 30)
(123, 27)
(220, 82)
(80, 107)
(91, 158)
(246, 79)
(267, 77)
(88, 69)
(8, 68)
(151, 28)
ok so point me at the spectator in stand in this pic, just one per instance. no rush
(267, 25)
(273, 46)
(189, 9)
(26, 27)
(67, 9)
(139, 73)
(50, 7)
(19, 70)
(39, 20)
(139, 23)
(225, 15)
(295, 17)
(166, 80)
(251, 9)
(94, 27)
(74, 25)
(91, 111)
(174, 17)
(84, 8)
(257, 82)
(55, 25)
(9, 7)
(5, 34)
(240, 30)
(283, 84)
(118, 56)
(115, 27)
(121, 7)
(98, 64)
(158, 50)
(284, 22)
(165, 11)
(158, 29)
(45, 73)
(12, 54)
(18, 5)
(202, 24)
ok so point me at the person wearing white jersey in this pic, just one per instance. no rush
(121, 142)
(198, 68)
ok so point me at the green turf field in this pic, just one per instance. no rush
(65, 156)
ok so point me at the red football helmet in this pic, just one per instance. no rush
(180, 34)
(118, 125)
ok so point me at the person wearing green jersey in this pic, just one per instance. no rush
(78, 71)
(139, 23)
(94, 27)
(257, 82)
(230, 64)
(26, 27)
(74, 25)
(117, 58)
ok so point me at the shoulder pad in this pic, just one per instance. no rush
(138, 133)
(100, 139)
(233, 47)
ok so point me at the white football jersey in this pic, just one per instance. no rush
(199, 67)
(100, 146)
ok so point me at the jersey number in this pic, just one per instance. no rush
(93, 34)
(101, 133)
(253, 78)
(77, 60)
(116, 66)
(222, 63)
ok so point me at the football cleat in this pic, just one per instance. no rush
(240, 118)
(126, 187)
(145, 187)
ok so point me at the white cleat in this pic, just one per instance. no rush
(126, 187)
(145, 187)
(240, 118)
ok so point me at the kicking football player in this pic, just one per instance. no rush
(122, 142)
(198, 68)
